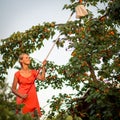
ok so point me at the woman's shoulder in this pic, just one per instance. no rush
(34, 71)
(17, 73)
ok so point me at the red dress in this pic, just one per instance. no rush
(27, 86)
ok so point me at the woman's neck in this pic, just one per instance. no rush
(25, 68)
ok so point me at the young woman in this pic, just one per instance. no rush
(26, 92)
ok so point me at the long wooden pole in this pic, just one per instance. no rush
(56, 40)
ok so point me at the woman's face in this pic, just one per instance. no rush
(25, 59)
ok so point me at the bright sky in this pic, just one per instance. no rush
(20, 15)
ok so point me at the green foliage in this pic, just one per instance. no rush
(114, 10)
(95, 63)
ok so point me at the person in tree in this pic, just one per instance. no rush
(26, 92)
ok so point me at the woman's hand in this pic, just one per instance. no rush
(24, 96)
(44, 62)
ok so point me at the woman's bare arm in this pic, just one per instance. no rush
(42, 75)
(14, 89)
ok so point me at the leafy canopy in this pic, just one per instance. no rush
(94, 62)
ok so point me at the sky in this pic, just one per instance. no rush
(20, 15)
